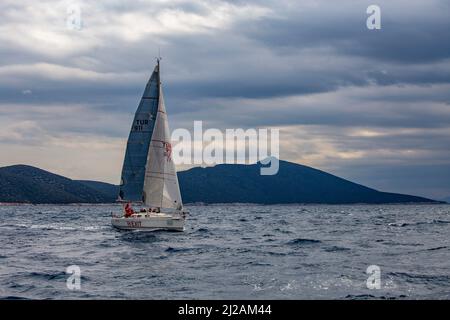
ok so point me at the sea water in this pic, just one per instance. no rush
(229, 252)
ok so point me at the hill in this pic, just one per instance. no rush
(27, 184)
(294, 183)
(225, 183)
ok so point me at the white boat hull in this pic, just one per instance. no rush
(150, 222)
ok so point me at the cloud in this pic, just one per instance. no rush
(412, 31)
(360, 103)
(370, 106)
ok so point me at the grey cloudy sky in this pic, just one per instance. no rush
(372, 106)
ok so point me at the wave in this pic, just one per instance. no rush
(282, 230)
(52, 227)
(14, 298)
(302, 241)
(47, 276)
(173, 250)
(259, 264)
(421, 278)
(441, 221)
(271, 253)
(335, 249)
(398, 224)
(19, 225)
(395, 243)
(137, 236)
(372, 297)
(360, 296)
(405, 224)
(437, 248)
(62, 227)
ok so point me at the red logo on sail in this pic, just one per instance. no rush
(168, 150)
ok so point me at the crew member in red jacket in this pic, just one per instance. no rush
(128, 210)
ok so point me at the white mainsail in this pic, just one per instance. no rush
(161, 187)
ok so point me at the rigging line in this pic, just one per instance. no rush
(149, 173)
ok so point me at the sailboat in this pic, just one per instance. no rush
(149, 189)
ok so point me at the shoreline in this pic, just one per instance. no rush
(233, 204)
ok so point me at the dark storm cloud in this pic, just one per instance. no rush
(308, 64)
(412, 32)
(269, 57)
(370, 107)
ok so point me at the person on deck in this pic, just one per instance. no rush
(128, 210)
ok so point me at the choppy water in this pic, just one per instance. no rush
(230, 252)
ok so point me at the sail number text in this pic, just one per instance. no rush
(134, 224)
(139, 125)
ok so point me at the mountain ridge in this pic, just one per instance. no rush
(28, 184)
(294, 183)
(223, 183)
